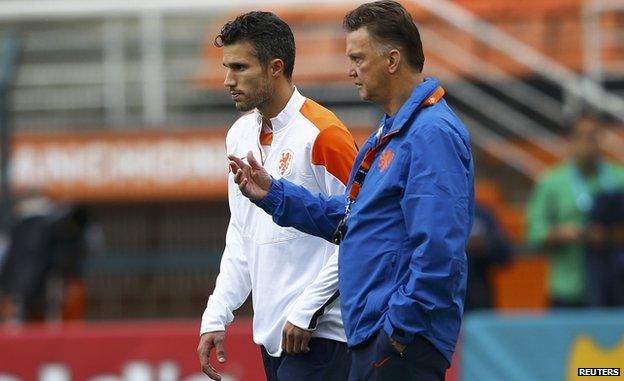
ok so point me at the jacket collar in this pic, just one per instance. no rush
(288, 113)
(421, 92)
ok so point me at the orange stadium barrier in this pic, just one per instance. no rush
(131, 166)
(521, 284)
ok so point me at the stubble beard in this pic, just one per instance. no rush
(256, 98)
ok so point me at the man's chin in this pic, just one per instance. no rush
(243, 107)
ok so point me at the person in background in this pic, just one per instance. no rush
(29, 264)
(605, 250)
(558, 210)
(488, 247)
(75, 236)
(42, 277)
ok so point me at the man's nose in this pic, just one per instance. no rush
(351, 70)
(229, 80)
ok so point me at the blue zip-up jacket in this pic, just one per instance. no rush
(402, 263)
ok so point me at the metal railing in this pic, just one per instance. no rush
(588, 89)
(117, 82)
(584, 88)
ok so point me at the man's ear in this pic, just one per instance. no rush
(394, 59)
(276, 67)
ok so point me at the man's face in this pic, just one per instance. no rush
(367, 66)
(586, 140)
(247, 81)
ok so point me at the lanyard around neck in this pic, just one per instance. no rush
(369, 156)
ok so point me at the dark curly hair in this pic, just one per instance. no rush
(269, 35)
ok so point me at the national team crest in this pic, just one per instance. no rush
(385, 160)
(285, 162)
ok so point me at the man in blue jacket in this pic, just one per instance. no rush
(407, 214)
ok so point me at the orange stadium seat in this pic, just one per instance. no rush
(521, 284)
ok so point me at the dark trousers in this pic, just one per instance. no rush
(605, 273)
(377, 360)
(328, 360)
(562, 303)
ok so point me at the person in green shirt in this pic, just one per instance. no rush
(557, 211)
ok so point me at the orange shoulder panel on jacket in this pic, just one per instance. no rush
(334, 147)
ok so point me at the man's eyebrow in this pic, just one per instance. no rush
(235, 63)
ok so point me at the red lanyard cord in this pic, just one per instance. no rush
(369, 156)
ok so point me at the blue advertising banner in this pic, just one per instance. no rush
(566, 345)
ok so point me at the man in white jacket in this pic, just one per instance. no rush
(293, 275)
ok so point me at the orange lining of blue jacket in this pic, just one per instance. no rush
(370, 155)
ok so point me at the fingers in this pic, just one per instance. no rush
(211, 372)
(300, 341)
(252, 161)
(239, 176)
(303, 347)
(220, 345)
(253, 182)
(237, 161)
(203, 351)
(204, 359)
(243, 187)
(233, 167)
(295, 340)
(285, 338)
(207, 342)
(295, 343)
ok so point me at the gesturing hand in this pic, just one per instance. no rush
(252, 179)
(295, 340)
(207, 342)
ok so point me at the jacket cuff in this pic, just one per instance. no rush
(397, 334)
(273, 199)
(300, 320)
(212, 320)
(205, 328)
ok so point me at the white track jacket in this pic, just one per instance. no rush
(292, 276)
